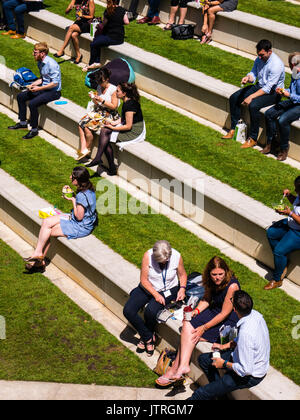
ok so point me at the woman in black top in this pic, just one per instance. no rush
(129, 127)
(85, 11)
(114, 19)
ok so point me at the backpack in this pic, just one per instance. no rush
(23, 77)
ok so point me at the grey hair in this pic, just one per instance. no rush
(296, 59)
(162, 251)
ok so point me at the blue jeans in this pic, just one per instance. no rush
(139, 297)
(283, 241)
(218, 386)
(238, 97)
(15, 6)
(285, 112)
(153, 8)
(96, 45)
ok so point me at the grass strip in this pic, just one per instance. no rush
(50, 339)
(45, 170)
(210, 60)
(197, 145)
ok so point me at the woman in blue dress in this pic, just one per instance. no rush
(80, 223)
(214, 310)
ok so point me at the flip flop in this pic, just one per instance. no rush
(169, 381)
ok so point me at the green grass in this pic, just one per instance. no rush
(49, 338)
(44, 170)
(182, 137)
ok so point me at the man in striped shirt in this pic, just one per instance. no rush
(246, 359)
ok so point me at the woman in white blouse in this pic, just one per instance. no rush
(163, 279)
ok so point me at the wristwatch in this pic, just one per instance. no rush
(225, 364)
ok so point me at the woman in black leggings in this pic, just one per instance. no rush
(175, 5)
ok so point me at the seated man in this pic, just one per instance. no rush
(246, 359)
(268, 73)
(16, 9)
(44, 90)
(152, 17)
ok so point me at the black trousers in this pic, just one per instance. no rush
(35, 99)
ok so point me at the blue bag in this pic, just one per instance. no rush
(194, 286)
(23, 78)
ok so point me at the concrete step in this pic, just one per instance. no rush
(110, 279)
(237, 29)
(195, 92)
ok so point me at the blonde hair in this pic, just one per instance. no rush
(162, 251)
(42, 47)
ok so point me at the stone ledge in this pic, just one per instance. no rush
(110, 282)
(229, 214)
(192, 90)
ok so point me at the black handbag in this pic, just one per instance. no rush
(182, 32)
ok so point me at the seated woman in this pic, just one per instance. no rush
(284, 112)
(175, 5)
(210, 9)
(284, 237)
(105, 101)
(214, 310)
(81, 222)
(163, 279)
(85, 10)
(15, 9)
(114, 19)
(130, 127)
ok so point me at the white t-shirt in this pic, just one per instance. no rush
(108, 94)
(167, 278)
(291, 222)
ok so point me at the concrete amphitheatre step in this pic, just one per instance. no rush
(236, 29)
(110, 278)
(229, 214)
(194, 91)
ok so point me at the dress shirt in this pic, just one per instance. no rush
(269, 74)
(294, 91)
(50, 72)
(252, 353)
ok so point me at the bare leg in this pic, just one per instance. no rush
(212, 17)
(205, 23)
(182, 15)
(86, 138)
(50, 227)
(75, 41)
(68, 37)
(173, 12)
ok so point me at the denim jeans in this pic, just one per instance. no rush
(256, 104)
(285, 112)
(283, 241)
(15, 6)
(139, 297)
(218, 386)
(35, 99)
(153, 8)
(96, 45)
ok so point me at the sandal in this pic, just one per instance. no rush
(168, 26)
(150, 344)
(176, 382)
(206, 39)
(141, 347)
(58, 56)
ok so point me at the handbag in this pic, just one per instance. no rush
(182, 32)
(164, 361)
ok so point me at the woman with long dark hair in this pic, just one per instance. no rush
(214, 310)
(80, 223)
(114, 19)
(128, 128)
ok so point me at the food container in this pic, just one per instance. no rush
(187, 313)
(216, 354)
(67, 192)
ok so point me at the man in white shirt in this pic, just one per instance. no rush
(246, 359)
(266, 76)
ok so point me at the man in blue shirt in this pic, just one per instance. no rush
(266, 76)
(46, 89)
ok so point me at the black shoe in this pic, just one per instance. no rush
(94, 162)
(18, 126)
(112, 171)
(57, 56)
(30, 134)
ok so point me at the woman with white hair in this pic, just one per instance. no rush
(162, 280)
(285, 112)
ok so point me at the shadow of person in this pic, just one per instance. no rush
(128, 335)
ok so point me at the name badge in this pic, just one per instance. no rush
(167, 293)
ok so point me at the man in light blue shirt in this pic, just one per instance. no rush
(246, 359)
(266, 76)
(44, 90)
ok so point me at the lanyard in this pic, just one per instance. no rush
(164, 276)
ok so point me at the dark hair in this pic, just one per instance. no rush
(264, 44)
(209, 285)
(101, 75)
(82, 176)
(242, 302)
(297, 182)
(131, 90)
(110, 8)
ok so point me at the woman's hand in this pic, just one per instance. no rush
(286, 192)
(160, 299)
(180, 294)
(286, 211)
(197, 334)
